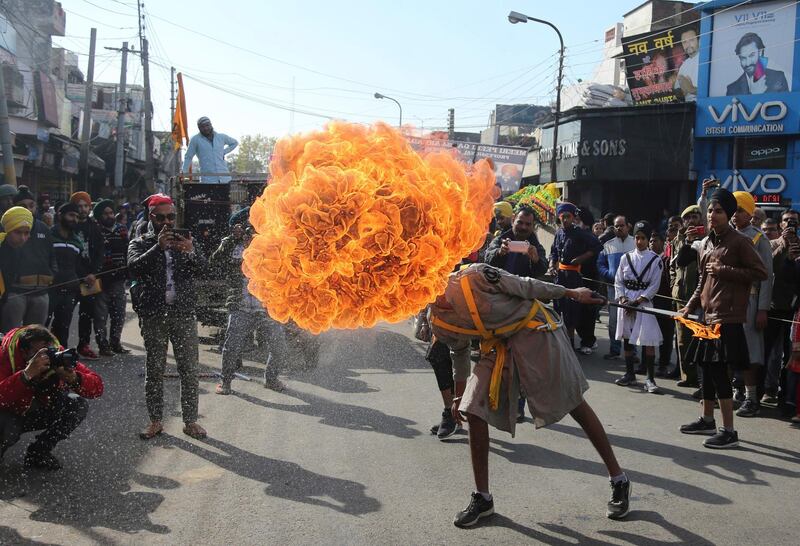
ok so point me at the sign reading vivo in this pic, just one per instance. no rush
(746, 115)
(754, 182)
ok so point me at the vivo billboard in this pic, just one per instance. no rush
(748, 86)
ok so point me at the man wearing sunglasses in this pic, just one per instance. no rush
(163, 265)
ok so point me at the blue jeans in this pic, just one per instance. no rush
(241, 325)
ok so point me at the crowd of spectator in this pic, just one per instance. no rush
(89, 254)
(682, 266)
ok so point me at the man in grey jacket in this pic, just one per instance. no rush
(245, 313)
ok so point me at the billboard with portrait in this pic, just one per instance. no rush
(752, 49)
(661, 67)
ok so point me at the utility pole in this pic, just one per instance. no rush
(177, 153)
(119, 163)
(149, 166)
(9, 173)
(86, 132)
(451, 123)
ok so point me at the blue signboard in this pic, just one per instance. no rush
(747, 127)
(746, 115)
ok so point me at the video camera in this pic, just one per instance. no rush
(67, 359)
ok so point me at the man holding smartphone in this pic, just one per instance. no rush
(163, 264)
(683, 281)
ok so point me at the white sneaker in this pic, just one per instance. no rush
(651, 387)
(585, 350)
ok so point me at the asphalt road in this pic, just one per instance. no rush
(344, 456)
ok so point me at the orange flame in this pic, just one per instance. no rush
(355, 227)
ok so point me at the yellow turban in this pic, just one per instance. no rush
(15, 218)
(745, 201)
(504, 209)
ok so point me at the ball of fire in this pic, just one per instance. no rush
(356, 227)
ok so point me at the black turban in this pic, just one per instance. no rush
(726, 200)
(643, 226)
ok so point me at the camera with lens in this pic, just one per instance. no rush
(67, 359)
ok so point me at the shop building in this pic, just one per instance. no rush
(748, 105)
(632, 160)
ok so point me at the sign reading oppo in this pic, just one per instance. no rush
(746, 115)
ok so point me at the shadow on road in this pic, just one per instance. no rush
(343, 351)
(340, 415)
(11, 536)
(545, 458)
(709, 464)
(284, 479)
(100, 460)
(568, 536)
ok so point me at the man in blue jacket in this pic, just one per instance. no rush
(607, 264)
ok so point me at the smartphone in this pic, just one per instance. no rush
(185, 233)
(520, 247)
(700, 230)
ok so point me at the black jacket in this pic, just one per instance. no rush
(34, 265)
(776, 83)
(89, 234)
(71, 266)
(523, 267)
(115, 252)
(147, 268)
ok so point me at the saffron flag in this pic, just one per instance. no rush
(180, 132)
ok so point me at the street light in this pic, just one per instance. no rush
(515, 17)
(380, 96)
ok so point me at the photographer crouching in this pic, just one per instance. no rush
(42, 387)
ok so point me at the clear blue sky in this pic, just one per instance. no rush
(430, 55)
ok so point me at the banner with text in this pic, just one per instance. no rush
(509, 161)
(662, 67)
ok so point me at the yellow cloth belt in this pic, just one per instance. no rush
(489, 339)
(568, 267)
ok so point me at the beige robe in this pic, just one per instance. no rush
(541, 363)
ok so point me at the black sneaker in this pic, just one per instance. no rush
(611, 356)
(687, 384)
(119, 349)
(723, 440)
(448, 426)
(750, 408)
(626, 380)
(45, 461)
(478, 508)
(619, 505)
(700, 427)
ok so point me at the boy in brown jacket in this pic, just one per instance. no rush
(728, 267)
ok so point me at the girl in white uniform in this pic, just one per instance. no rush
(636, 283)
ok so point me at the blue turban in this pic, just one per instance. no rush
(566, 206)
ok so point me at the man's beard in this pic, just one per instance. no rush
(108, 223)
(68, 226)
